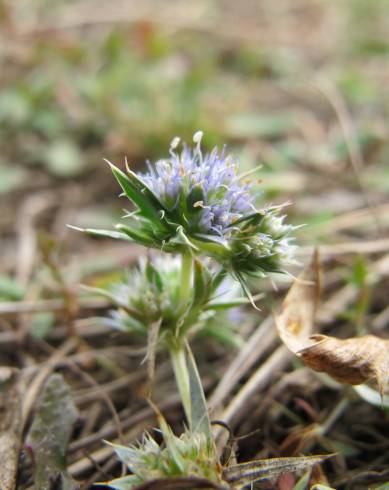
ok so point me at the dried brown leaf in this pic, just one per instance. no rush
(295, 322)
(353, 361)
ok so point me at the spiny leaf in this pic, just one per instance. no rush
(170, 440)
(136, 235)
(140, 194)
(102, 233)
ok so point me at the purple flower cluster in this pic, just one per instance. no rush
(204, 189)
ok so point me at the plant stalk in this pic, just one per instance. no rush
(180, 368)
(186, 279)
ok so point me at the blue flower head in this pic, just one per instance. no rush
(198, 201)
(150, 294)
(205, 192)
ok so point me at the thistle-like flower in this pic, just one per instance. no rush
(152, 294)
(204, 192)
(199, 202)
(192, 458)
(190, 455)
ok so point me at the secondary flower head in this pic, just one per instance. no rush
(151, 294)
(192, 455)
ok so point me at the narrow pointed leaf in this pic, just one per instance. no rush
(102, 233)
(268, 469)
(140, 194)
(225, 305)
(135, 235)
(199, 413)
(170, 441)
(202, 279)
(126, 483)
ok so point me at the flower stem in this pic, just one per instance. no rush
(186, 279)
(180, 368)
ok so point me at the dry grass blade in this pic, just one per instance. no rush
(269, 469)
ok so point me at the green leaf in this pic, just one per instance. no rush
(140, 195)
(252, 125)
(50, 433)
(136, 235)
(171, 443)
(127, 454)
(64, 159)
(102, 233)
(199, 412)
(201, 282)
(10, 289)
(42, 324)
(225, 305)
(126, 483)
(303, 482)
(246, 289)
(153, 276)
(10, 178)
(320, 486)
(182, 239)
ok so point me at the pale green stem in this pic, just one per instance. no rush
(181, 373)
(186, 279)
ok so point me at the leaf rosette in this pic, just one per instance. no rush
(151, 294)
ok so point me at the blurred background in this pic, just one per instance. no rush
(298, 86)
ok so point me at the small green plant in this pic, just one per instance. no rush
(190, 455)
(200, 210)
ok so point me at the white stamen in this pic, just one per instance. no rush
(174, 143)
(197, 137)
